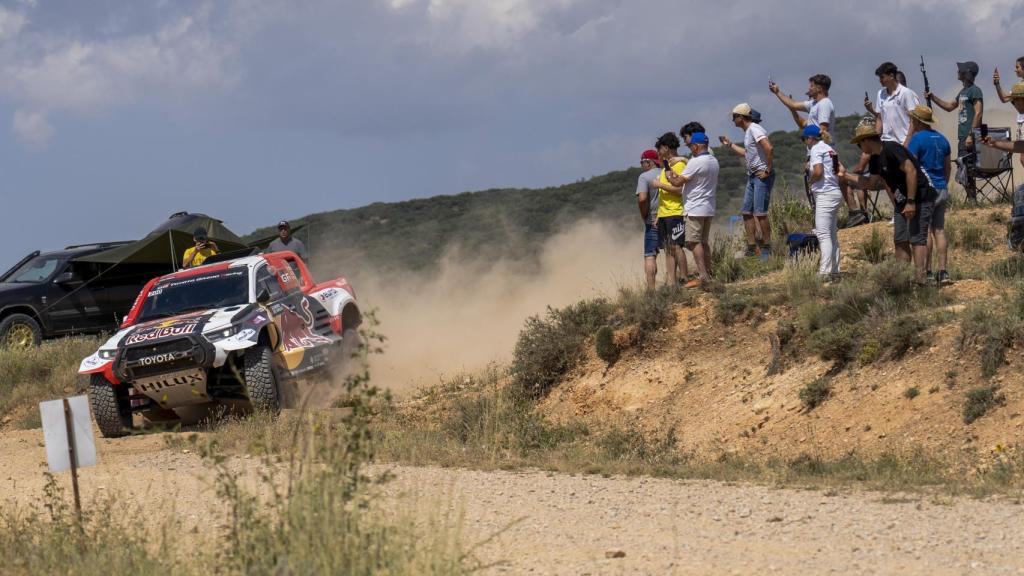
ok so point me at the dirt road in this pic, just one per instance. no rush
(559, 524)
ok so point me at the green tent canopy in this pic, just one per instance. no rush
(168, 242)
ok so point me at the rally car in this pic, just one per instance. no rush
(235, 332)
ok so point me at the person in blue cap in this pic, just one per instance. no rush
(699, 182)
(823, 179)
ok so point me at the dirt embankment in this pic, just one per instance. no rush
(545, 523)
(709, 382)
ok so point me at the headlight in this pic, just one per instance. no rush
(107, 354)
(218, 335)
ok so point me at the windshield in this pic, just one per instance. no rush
(180, 295)
(36, 270)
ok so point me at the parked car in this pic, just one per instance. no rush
(231, 332)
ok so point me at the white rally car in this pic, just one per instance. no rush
(235, 332)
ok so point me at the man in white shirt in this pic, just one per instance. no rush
(758, 153)
(894, 103)
(819, 108)
(699, 181)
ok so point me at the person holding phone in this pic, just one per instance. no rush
(759, 154)
(203, 249)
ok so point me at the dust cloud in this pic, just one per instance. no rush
(467, 313)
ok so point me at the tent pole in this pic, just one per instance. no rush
(174, 258)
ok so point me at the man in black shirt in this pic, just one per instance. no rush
(913, 194)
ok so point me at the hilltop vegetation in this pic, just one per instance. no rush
(514, 222)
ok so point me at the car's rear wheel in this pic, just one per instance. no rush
(260, 379)
(19, 332)
(110, 407)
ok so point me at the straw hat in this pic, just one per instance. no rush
(922, 113)
(863, 132)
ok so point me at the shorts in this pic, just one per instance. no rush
(652, 240)
(672, 230)
(698, 229)
(758, 195)
(914, 231)
(939, 210)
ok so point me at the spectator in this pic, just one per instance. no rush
(972, 107)
(821, 113)
(647, 198)
(758, 153)
(893, 106)
(900, 77)
(913, 194)
(671, 227)
(691, 128)
(1019, 68)
(823, 168)
(285, 241)
(1017, 98)
(203, 249)
(699, 182)
(932, 151)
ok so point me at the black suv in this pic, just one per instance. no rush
(53, 294)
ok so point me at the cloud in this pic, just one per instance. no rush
(47, 71)
(32, 127)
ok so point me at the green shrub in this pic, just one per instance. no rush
(993, 331)
(801, 279)
(815, 393)
(789, 213)
(549, 347)
(633, 444)
(870, 352)
(971, 236)
(899, 335)
(874, 249)
(604, 344)
(1011, 268)
(980, 400)
(911, 393)
(649, 310)
(892, 278)
(838, 343)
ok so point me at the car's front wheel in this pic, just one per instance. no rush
(19, 332)
(110, 408)
(260, 379)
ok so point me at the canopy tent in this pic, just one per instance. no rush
(168, 242)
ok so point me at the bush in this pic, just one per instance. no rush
(892, 278)
(994, 332)
(801, 279)
(911, 393)
(28, 377)
(899, 335)
(649, 310)
(971, 236)
(839, 343)
(549, 347)
(1011, 268)
(604, 345)
(874, 249)
(815, 393)
(980, 400)
(787, 214)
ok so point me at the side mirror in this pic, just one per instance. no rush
(263, 296)
(67, 278)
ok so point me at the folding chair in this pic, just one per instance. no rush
(992, 173)
(872, 197)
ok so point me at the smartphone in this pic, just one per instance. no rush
(984, 131)
(866, 97)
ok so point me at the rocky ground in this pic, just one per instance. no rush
(544, 523)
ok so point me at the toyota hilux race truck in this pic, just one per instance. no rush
(234, 333)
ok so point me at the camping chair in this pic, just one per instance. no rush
(993, 171)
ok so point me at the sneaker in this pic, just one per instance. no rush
(943, 278)
(856, 218)
(751, 252)
(695, 283)
(929, 276)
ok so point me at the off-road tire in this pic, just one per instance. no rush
(110, 408)
(261, 380)
(23, 321)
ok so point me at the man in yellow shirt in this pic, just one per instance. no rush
(671, 226)
(204, 248)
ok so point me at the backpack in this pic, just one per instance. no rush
(801, 243)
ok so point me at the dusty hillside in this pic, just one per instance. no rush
(708, 383)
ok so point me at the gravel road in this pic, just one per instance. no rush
(560, 524)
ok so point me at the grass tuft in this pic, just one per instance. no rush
(815, 393)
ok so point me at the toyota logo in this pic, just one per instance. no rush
(158, 359)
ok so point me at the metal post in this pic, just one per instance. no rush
(68, 420)
(174, 257)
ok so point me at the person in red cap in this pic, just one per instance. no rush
(647, 199)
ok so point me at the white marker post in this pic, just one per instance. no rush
(67, 430)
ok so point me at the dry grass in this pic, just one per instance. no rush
(28, 377)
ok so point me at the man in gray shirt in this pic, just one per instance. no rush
(647, 198)
(285, 241)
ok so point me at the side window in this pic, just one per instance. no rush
(264, 279)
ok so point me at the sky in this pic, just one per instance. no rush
(116, 113)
